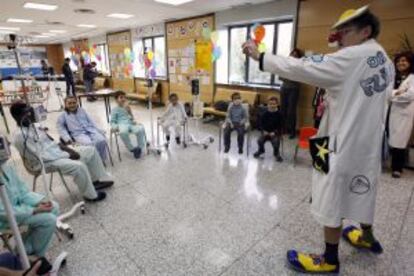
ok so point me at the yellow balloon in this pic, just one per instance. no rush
(262, 48)
(150, 55)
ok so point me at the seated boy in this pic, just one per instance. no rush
(271, 122)
(236, 119)
(122, 120)
(174, 117)
(74, 123)
(30, 209)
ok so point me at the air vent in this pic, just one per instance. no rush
(55, 23)
(84, 11)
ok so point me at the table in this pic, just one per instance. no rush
(106, 94)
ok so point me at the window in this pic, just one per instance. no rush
(155, 44)
(222, 64)
(102, 64)
(234, 67)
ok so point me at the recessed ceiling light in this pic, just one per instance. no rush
(39, 6)
(9, 28)
(86, 26)
(120, 15)
(174, 2)
(19, 20)
(58, 31)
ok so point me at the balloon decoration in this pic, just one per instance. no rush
(149, 64)
(259, 33)
(213, 36)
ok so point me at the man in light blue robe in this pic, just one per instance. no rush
(75, 125)
(30, 209)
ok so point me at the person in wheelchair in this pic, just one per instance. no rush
(173, 118)
(75, 125)
(236, 119)
(30, 209)
(83, 164)
(271, 122)
(122, 120)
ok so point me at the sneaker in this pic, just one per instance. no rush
(167, 138)
(240, 150)
(178, 140)
(279, 158)
(99, 185)
(226, 150)
(310, 263)
(257, 154)
(137, 152)
(100, 196)
(396, 174)
(353, 236)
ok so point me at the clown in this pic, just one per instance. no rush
(358, 78)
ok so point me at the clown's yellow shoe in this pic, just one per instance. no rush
(309, 263)
(353, 235)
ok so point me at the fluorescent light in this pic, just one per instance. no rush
(48, 34)
(38, 6)
(10, 28)
(7, 32)
(120, 15)
(58, 31)
(86, 26)
(18, 20)
(174, 2)
(41, 36)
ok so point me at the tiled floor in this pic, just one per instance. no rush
(200, 212)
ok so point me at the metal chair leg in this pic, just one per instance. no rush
(220, 134)
(51, 182)
(117, 147)
(34, 182)
(109, 154)
(72, 197)
(296, 153)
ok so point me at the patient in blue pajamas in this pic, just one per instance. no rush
(30, 209)
(123, 121)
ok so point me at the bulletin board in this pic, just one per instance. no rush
(119, 45)
(185, 44)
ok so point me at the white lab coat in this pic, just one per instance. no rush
(357, 79)
(402, 114)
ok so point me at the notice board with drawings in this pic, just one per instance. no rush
(119, 51)
(189, 57)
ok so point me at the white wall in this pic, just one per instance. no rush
(275, 10)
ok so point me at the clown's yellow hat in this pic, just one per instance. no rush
(348, 15)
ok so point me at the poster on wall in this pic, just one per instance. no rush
(30, 58)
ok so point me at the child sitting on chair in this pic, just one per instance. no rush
(271, 122)
(236, 119)
(123, 121)
(173, 118)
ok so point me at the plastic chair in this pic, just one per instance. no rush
(303, 143)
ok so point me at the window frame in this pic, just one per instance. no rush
(106, 53)
(152, 39)
(247, 59)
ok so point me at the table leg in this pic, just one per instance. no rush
(106, 109)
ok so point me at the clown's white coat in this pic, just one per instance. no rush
(358, 80)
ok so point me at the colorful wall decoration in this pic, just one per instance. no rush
(190, 55)
(121, 59)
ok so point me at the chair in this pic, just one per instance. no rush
(115, 133)
(7, 234)
(247, 128)
(303, 143)
(184, 130)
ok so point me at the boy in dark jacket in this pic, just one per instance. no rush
(271, 122)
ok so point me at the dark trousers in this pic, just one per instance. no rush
(397, 159)
(240, 136)
(289, 101)
(275, 140)
(70, 88)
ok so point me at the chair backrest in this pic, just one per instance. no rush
(29, 167)
(307, 132)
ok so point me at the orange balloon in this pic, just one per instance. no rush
(259, 33)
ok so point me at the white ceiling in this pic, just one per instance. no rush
(145, 11)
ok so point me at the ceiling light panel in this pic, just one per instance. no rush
(58, 31)
(39, 6)
(120, 15)
(19, 20)
(86, 26)
(173, 2)
(4, 28)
